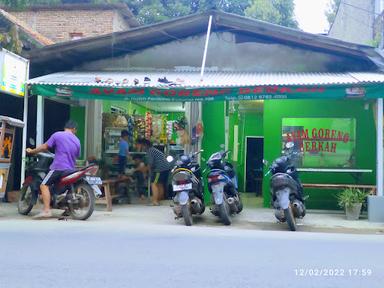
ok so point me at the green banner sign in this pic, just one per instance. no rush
(178, 94)
(322, 142)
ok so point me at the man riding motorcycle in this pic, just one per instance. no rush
(67, 150)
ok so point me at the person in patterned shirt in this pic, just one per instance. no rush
(159, 169)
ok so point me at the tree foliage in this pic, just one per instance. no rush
(152, 11)
(279, 12)
(333, 6)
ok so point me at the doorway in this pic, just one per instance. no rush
(254, 154)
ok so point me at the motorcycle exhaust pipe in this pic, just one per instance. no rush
(196, 205)
(298, 208)
(232, 204)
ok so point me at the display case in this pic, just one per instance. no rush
(111, 139)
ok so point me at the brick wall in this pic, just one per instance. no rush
(57, 25)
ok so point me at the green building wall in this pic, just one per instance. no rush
(269, 125)
(275, 110)
(77, 114)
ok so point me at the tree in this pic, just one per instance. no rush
(331, 12)
(152, 11)
(279, 12)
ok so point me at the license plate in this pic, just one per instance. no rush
(218, 188)
(93, 180)
(182, 187)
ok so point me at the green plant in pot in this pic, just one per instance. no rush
(352, 199)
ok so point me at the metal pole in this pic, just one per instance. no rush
(379, 148)
(25, 120)
(206, 48)
(40, 121)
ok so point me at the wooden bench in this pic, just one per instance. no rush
(108, 187)
(372, 188)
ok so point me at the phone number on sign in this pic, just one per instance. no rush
(333, 272)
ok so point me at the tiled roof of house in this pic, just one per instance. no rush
(32, 34)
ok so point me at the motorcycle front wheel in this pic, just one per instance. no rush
(26, 202)
(290, 218)
(224, 213)
(186, 212)
(82, 202)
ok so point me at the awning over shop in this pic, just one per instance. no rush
(187, 86)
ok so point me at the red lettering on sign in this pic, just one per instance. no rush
(258, 90)
(244, 91)
(346, 138)
(302, 89)
(136, 91)
(272, 89)
(307, 146)
(313, 146)
(184, 93)
(211, 92)
(170, 92)
(327, 133)
(121, 91)
(333, 134)
(339, 136)
(333, 148)
(314, 133)
(285, 90)
(196, 93)
(108, 91)
(95, 91)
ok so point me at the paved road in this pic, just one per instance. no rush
(107, 253)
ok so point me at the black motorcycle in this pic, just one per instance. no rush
(187, 186)
(222, 184)
(75, 191)
(286, 188)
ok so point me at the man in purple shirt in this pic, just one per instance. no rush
(67, 149)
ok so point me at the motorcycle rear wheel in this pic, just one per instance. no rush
(186, 212)
(290, 218)
(240, 205)
(25, 203)
(83, 193)
(224, 213)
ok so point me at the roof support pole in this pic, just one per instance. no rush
(206, 48)
(40, 121)
(25, 120)
(379, 148)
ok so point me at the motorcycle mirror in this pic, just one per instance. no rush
(289, 145)
(222, 146)
(265, 162)
(170, 158)
(31, 141)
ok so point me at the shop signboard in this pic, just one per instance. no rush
(321, 142)
(13, 73)
(177, 94)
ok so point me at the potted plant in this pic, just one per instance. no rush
(352, 199)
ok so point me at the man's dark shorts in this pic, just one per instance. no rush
(122, 164)
(160, 177)
(53, 177)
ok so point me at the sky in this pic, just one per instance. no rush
(311, 15)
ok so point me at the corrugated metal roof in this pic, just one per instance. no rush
(211, 79)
